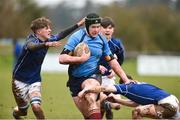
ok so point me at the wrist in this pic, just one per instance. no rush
(46, 44)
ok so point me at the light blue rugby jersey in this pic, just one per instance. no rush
(97, 46)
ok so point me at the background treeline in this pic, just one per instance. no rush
(144, 25)
(146, 28)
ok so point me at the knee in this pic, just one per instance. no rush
(90, 99)
(35, 103)
(36, 107)
(93, 105)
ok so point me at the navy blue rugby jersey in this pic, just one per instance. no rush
(117, 49)
(28, 66)
(141, 93)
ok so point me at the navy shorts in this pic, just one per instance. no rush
(74, 83)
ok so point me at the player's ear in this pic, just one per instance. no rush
(38, 31)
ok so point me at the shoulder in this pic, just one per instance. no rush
(31, 38)
(79, 32)
(102, 37)
(74, 39)
(116, 40)
(76, 36)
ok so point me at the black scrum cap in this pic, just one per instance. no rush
(92, 18)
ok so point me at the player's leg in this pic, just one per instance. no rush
(145, 111)
(35, 100)
(113, 104)
(108, 109)
(20, 90)
(83, 106)
(107, 102)
(105, 106)
(92, 106)
(102, 103)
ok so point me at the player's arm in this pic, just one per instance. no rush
(126, 102)
(69, 30)
(117, 68)
(108, 56)
(97, 89)
(67, 58)
(36, 46)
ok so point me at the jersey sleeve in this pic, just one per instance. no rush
(63, 34)
(120, 52)
(106, 49)
(120, 89)
(32, 45)
(73, 40)
(107, 54)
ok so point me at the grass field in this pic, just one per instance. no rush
(57, 102)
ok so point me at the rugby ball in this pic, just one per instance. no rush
(78, 51)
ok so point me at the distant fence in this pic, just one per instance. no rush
(166, 65)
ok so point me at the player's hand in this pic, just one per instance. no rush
(111, 98)
(81, 22)
(53, 44)
(112, 74)
(85, 56)
(131, 81)
(128, 81)
(82, 93)
(102, 69)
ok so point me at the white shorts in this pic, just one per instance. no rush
(172, 100)
(108, 81)
(23, 92)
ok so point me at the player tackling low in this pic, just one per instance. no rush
(148, 100)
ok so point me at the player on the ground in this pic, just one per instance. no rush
(148, 100)
(26, 83)
(86, 73)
